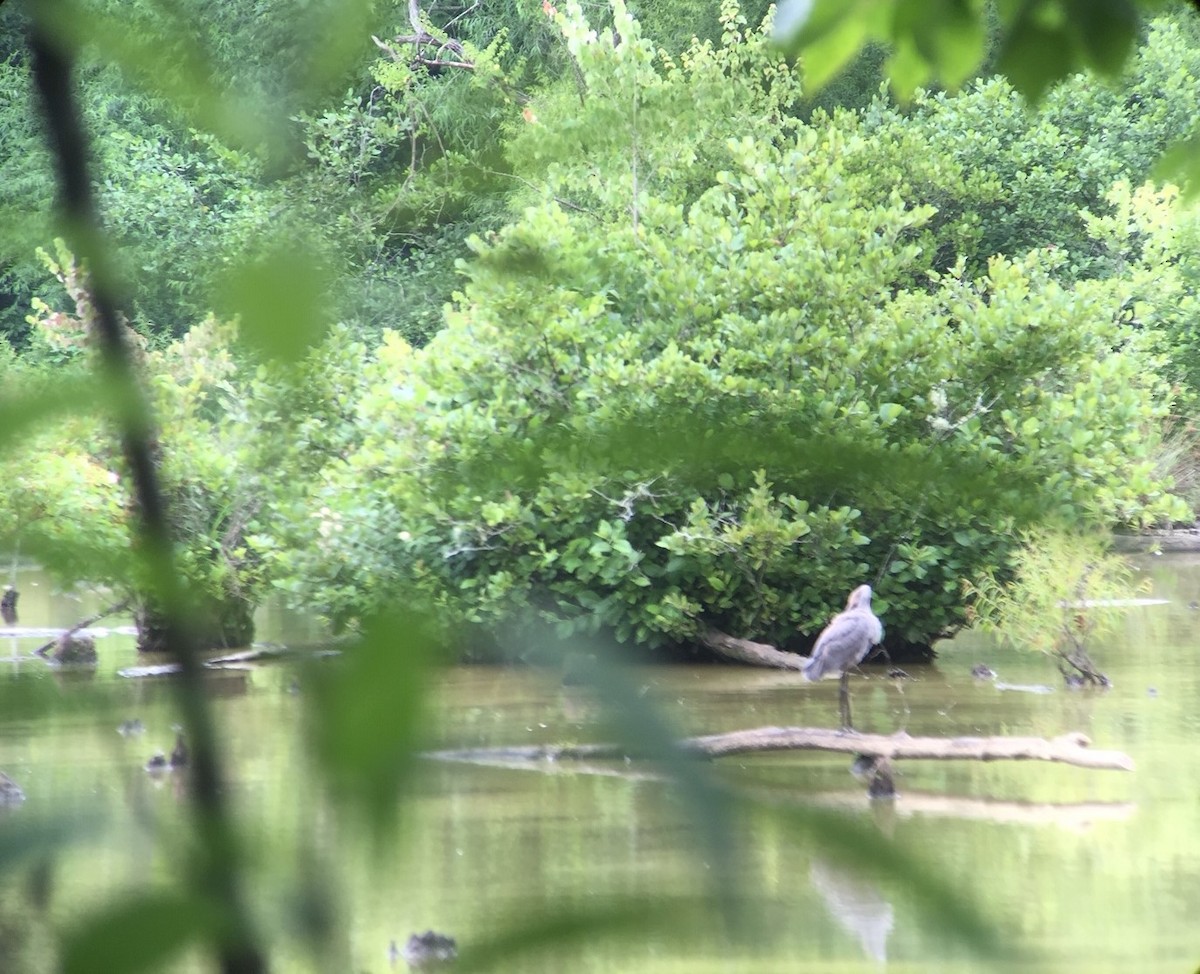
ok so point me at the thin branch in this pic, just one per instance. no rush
(436, 63)
(236, 946)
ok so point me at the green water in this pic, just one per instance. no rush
(1071, 869)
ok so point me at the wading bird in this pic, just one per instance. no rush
(845, 642)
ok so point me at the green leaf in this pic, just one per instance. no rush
(827, 37)
(1108, 30)
(280, 300)
(1180, 164)
(934, 37)
(138, 933)
(1034, 56)
(369, 711)
(960, 42)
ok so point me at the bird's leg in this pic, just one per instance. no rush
(844, 701)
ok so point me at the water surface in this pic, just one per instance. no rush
(1072, 869)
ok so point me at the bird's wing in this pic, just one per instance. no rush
(844, 642)
(843, 636)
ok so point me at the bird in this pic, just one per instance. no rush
(429, 950)
(844, 643)
(179, 755)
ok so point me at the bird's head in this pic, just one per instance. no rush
(860, 598)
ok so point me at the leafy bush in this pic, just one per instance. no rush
(1008, 177)
(653, 415)
(1062, 590)
(67, 503)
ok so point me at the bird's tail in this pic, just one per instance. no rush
(813, 669)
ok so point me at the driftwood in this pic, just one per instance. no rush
(748, 651)
(237, 660)
(1071, 748)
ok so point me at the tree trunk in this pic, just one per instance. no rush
(216, 625)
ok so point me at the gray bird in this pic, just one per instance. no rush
(844, 643)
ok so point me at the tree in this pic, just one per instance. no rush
(1008, 176)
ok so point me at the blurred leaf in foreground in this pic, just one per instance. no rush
(369, 710)
(281, 302)
(139, 933)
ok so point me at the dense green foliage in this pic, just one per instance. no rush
(756, 298)
(383, 171)
(1007, 177)
(815, 308)
(825, 296)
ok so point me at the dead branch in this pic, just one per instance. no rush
(417, 40)
(91, 620)
(748, 651)
(414, 18)
(439, 63)
(1071, 748)
(421, 37)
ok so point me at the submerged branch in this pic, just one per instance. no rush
(1074, 748)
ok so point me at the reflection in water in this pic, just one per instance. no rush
(10, 791)
(1071, 816)
(8, 606)
(856, 904)
(579, 705)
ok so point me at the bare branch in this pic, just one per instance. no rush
(435, 63)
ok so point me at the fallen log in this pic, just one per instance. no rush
(748, 651)
(1165, 540)
(1073, 748)
(267, 652)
